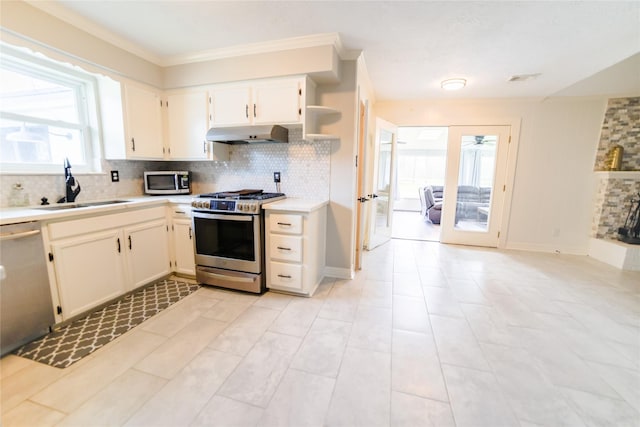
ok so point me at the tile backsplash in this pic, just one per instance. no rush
(305, 169)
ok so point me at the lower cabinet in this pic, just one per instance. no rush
(96, 259)
(183, 252)
(295, 247)
(89, 270)
(147, 252)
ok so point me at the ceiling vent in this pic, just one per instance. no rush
(523, 77)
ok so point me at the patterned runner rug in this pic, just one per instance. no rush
(71, 343)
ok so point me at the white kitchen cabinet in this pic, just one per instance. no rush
(89, 270)
(182, 233)
(260, 102)
(295, 246)
(96, 259)
(143, 122)
(278, 101)
(187, 125)
(147, 252)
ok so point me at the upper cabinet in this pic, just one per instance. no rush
(262, 102)
(187, 125)
(143, 122)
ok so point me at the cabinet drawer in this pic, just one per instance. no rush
(285, 275)
(285, 223)
(285, 248)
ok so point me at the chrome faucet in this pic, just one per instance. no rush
(70, 182)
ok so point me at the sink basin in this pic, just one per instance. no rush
(63, 206)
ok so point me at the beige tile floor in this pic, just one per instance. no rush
(426, 334)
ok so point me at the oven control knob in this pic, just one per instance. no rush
(240, 207)
(254, 208)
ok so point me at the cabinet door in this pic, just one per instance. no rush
(277, 102)
(231, 105)
(147, 249)
(188, 122)
(183, 247)
(88, 270)
(144, 123)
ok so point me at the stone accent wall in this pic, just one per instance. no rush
(615, 190)
(612, 202)
(621, 126)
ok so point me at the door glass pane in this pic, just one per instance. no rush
(384, 180)
(476, 176)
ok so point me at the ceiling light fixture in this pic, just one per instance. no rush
(453, 84)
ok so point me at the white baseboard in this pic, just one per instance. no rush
(339, 273)
(541, 247)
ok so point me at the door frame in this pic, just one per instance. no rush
(490, 236)
(512, 157)
(382, 125)
(361, 177)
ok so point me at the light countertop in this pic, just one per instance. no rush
(295, 205)
(40, 213)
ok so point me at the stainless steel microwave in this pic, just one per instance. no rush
(167, 182)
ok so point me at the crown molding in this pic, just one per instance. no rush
(77, 20)
(261, 47)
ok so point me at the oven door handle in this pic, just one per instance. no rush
(247, 218)
(231, 278)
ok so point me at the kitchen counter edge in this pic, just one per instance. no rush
(295, 205)
(36, 213)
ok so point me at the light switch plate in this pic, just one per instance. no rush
(115, 176)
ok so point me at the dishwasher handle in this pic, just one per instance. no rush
(14, 236)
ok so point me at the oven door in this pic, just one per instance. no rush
(228, 241)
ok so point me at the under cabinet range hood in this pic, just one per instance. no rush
(248, 134)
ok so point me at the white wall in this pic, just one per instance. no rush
(552, 197)
(340, 221)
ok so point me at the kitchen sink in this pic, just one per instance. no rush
(63, 206)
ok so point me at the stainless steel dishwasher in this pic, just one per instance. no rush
(26, 311)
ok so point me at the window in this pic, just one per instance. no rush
(47, 113)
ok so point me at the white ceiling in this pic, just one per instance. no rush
(409, 46)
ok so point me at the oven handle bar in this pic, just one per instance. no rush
(248, 218)
(231, 278)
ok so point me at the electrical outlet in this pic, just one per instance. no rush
(276, 177)
(115, 176)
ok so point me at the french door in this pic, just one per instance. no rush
(381, 209)
(475, 185)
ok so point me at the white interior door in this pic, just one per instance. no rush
(381, 212)
(475, 185)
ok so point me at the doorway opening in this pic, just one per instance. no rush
(421, 164)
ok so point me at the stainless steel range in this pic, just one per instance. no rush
(229, 238)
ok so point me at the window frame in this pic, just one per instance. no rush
(85, 89)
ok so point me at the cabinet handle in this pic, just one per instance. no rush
(129, 242)
(246, 110)
(284, 276)
(189, 233)
(283, 249)
(133, 144)
(118, 245)
(254, 110)
(285, 223)
(204, 145)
